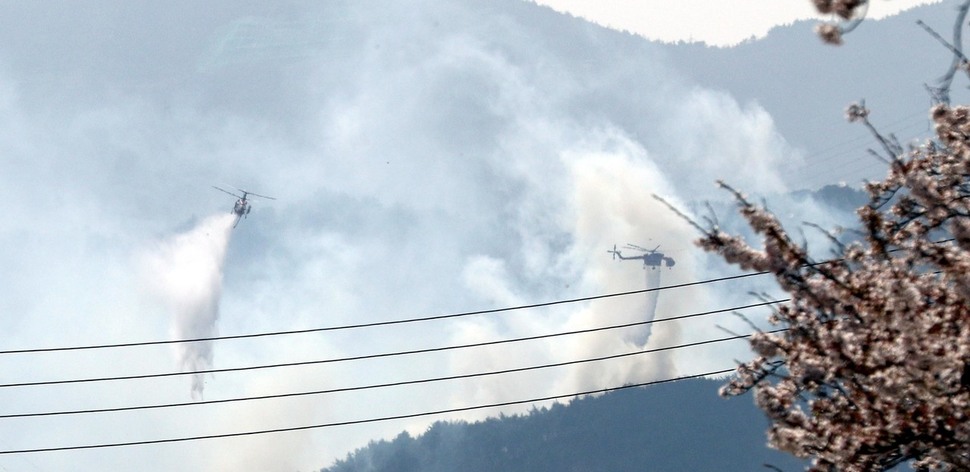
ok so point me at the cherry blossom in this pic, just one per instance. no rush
(874, 367)
(871, 368)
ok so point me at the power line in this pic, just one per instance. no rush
(387, 354)
(850, 146)
(407, 382)
(383, 385)
(396, 322)
(361, 421)
(397, 353)
(866, 160)
(381, 323)
(833, 151)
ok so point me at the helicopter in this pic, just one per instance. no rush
(650, 257)
(242, 208)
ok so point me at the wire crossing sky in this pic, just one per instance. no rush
(374, 386)
(386, 323)
(390, 354)
(358, 421)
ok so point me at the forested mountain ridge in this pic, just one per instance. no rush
(625, 430)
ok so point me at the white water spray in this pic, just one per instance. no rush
(642, 335)
(187, 273)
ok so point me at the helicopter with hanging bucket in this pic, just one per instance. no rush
(651, 257)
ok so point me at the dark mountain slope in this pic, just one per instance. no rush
(678, 426)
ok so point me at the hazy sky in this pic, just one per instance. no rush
(715, 22)
(427, 157)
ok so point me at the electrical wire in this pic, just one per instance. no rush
(381, 323)
(383, 385)
(831, 153)
(863, 161)
(390, 354)
(387, 354)
(386, 323)
(360, 421)
(860, 162)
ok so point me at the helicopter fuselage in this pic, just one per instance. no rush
(241, 207)
(651, 257)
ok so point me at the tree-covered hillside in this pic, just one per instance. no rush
(625, 430)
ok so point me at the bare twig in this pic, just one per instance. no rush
(941, 93)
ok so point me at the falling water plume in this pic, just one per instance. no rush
(187, 269)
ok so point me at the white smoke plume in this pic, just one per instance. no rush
(186, 270)
(614, 204)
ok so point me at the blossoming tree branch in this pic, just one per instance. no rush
(873, 369)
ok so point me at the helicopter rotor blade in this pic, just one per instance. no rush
(248, 193)
(261, 196)
(226, 191)
(638, 248)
